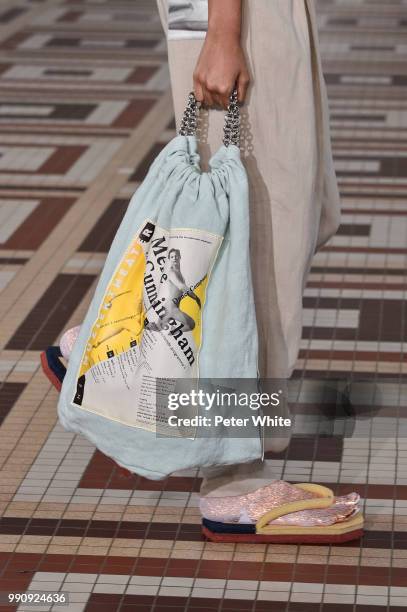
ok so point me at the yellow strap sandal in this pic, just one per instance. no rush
(303, 513)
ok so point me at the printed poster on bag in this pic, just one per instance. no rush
(149, 324)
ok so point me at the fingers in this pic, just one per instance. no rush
(212, 97)
(208, 100)
(224, 96)
(220, 94)
(221, 100)
(242, 84)
(215, 96)
(210, 94)
(202, 93)
(198, 91)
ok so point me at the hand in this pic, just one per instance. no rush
(220, 68)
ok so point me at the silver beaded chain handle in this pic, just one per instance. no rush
(231, 129)
(190, 117)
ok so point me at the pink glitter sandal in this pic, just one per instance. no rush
(303, 513)
(51, 359)
(55, 370)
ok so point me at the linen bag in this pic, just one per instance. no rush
(174, 300)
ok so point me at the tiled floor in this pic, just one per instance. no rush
(81, 116)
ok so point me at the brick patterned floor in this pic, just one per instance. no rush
(82, 114)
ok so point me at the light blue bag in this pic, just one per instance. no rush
(175, 300)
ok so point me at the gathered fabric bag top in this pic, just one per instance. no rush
(174, 301)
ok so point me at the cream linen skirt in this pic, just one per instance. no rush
(286, 148)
